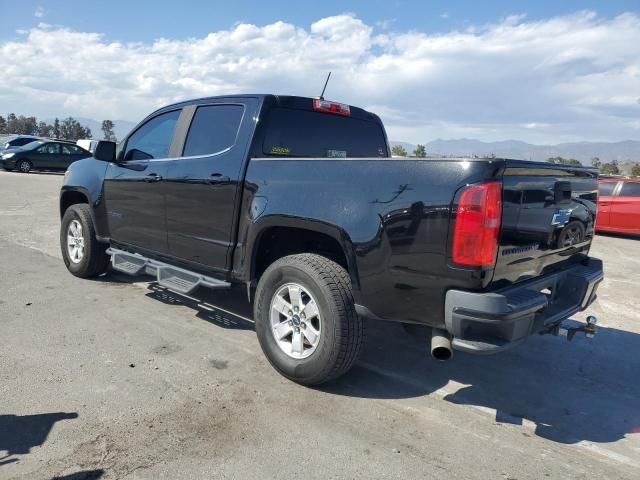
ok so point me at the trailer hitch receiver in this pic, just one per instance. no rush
(569, 330)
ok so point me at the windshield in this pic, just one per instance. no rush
(305, 133)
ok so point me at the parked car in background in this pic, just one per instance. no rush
(18, 141)
(42, 154)
(619, 205)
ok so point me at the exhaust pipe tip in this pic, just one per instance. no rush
(441, 345)
(441, 353)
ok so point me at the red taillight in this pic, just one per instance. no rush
(477, 224)
(331, 107)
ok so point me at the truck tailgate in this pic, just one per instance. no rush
(548, 219)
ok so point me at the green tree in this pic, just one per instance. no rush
(70, 129)
(22, 125)
(56, 128)
(44, 129)
(564, 161)
(12, 123)
(399, 151)
(596, 162)
(420, 151)
(3, 125)
(610, 168)
(635, 170)
(107, 130)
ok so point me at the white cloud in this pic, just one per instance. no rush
(567, 78)
(39, 13)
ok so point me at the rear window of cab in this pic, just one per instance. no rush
(308, 134)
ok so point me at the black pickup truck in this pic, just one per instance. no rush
(299, 200)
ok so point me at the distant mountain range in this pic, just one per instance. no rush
(582, 151)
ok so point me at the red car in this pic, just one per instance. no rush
(619, 205)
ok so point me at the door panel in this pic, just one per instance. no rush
(203, 186)
(605, 195)
(69, 154)
(134, 189)
(625, 208)
(135, 203)
(46, 156)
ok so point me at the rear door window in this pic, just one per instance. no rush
(153, 139)
(71, 150)
(630, 189)
(214, 129)
(305, 133)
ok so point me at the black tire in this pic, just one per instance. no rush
(341, 332)
(571, 234)
(24, 166)
(95, 259)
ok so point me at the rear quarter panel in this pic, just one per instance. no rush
(390, 216)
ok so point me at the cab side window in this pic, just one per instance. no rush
(214, 128)
(70, 150)
(153, 139)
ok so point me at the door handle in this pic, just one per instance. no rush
(153, 177)
(216, 178)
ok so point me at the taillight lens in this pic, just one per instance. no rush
(477, 225)
(331, 107)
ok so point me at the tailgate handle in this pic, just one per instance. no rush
(562, 192)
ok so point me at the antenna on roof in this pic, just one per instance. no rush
(325, 86)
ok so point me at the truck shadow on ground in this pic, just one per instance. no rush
(224, 308)
(587, 389)
(584, 390)
(209, 306)
(41, 172)
(82, 475)
(20, 433)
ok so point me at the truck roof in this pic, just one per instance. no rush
(290, 101)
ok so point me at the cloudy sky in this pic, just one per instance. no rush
(543, 74)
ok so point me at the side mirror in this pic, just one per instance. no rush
(105, 151)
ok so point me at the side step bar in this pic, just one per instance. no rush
(168, 276)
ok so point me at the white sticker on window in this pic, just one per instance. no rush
(336, 154)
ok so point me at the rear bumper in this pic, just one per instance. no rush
(491, 322)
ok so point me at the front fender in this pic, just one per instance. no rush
(86, 177)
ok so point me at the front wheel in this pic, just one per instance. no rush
(306, 320)
(24, 166)
(82, 253)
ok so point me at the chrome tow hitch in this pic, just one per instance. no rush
(569, 330)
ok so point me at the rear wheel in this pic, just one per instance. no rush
(82, 253)
(24, 166)
(306, 320)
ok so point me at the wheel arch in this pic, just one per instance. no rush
(276, 237)
(69, 197)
